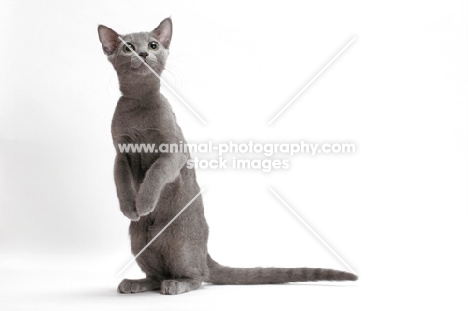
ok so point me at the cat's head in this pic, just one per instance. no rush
(152, 47)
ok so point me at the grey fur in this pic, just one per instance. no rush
(152, 188)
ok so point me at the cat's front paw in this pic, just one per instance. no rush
(132, 215)
(129, 210)
(145, 203)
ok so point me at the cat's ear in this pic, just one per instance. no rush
(164, 32)
(109, 39)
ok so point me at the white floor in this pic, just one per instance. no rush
(84, 282)
(78, 282)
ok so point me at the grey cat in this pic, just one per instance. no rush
(152, 188)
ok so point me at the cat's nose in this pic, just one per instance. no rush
(143, 54)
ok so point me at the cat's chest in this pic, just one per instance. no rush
(137, 126)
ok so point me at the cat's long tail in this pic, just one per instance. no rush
(226, 275)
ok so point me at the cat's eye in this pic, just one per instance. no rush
(153, 45)
(126, 48)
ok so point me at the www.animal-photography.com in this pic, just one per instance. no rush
(233, 155)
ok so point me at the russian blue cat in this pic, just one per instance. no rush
(152, 188)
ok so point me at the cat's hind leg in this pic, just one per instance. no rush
(137, 286)
(179, 286)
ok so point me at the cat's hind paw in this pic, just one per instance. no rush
(125, 287)
(179, 286)
(137, 286)
(172, 287)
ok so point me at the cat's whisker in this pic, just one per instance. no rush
(167, 72)
(178, 78)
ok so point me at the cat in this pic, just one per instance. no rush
(152, 188)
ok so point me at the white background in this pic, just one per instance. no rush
(396, 210)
